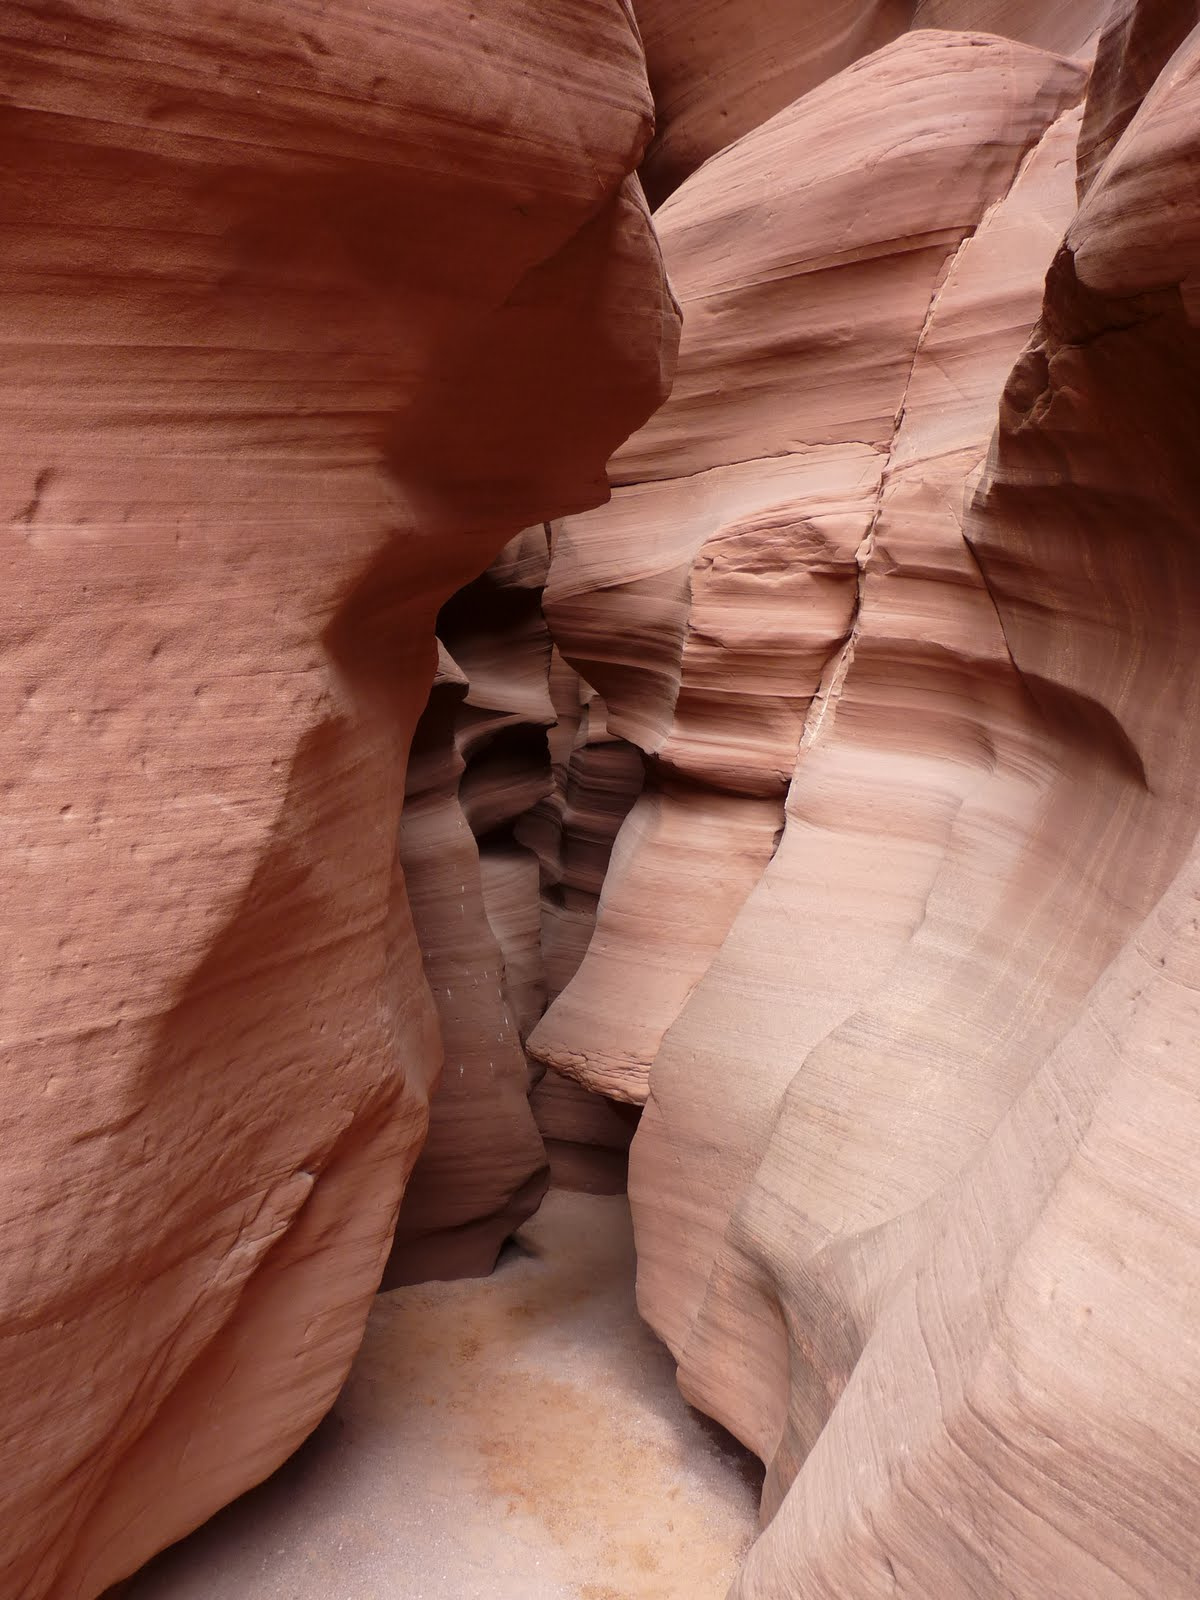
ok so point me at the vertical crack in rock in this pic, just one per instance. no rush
(903, 920)
(833, 678)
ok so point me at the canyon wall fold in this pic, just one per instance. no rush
(897, 596)
(721, 68)
(305, 311)
(812, 792)
(514, 794)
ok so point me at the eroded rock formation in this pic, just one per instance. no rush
(514, 794)
(305, 311)
(479, 760)
(721, 68)
(717, 603)
(829, 791)
(905, 901)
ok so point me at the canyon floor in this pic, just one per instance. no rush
(518, 1437)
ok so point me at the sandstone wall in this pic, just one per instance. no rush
(897, 596)
(837, 794)
(305, 311)
(514, 794)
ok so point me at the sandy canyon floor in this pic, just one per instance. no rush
(518, 1437)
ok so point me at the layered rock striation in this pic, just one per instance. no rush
(896, 595)
(514, 794)
(721, 68)
(828, 791)
(305, 311)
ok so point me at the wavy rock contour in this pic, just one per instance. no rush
(914, 1030)
(305, 311)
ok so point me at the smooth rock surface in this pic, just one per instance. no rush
(715, 604)
(912, 1194)
(881, 658)
(482, 1168)
(305, 310)
(721, 68)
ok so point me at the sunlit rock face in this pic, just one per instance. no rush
(306, 310)
(720, 68)
(829, 266)
(828, 792)
(897, 596)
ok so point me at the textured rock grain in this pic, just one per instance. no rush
(721, 68)
(305, 309)
(912, 1198)
(716, 603)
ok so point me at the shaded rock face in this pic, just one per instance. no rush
(305, 312)
(897, 596)
(475, 766)
(514, 794)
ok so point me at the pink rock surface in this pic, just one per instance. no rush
(715, 602)
(511, 748)
(1025, 1409)
(304, 313)
(596, 777)
(1138, 40)
(481, 780)
(913, 1195)
(1070, 26)
(482, 1168)
(721, 68)
(587, 1135)
(880, 659)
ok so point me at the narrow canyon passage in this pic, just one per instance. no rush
(518, 1437)
(599, 641)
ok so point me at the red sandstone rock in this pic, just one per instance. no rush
(900, 941)
(303, 316)
(714, 602)
(482, 1168)
(512, 896)
(913, 1191)
(597, 779)
(1069, 26)
(1024, 1411)
(587, 1136)
(721, 68)
(480, 780)
(1138, 40)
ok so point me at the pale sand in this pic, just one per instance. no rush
(518, 1437)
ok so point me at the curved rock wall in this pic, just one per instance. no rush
(305, 311)
(514, 794)
(721, 68)
(717, 603)
(904, 905)
(848, 824)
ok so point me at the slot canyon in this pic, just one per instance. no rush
(601, 838)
